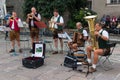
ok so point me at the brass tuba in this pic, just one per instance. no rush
(51, 24)
(91, 23)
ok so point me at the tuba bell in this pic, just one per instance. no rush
(91, 23)
(51, 24)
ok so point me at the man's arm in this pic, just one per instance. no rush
(85, 35)
(27, 20)
(38, 18)
(104, 36)
(61, 23)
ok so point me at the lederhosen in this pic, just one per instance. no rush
(14, 33)
(58, 30)
(103, 45)
(34, 30)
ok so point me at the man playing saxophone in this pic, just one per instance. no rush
(79, 38)
(58, 28)
(102, 38)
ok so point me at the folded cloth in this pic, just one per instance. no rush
(40, 24)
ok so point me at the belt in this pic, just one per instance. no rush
(33, 27)
(12, 30)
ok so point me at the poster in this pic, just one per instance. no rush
(38, 50)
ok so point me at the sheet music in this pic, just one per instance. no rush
(2, 28)
(7, 29)
(69, 38)
(20, 24)
(60, 35)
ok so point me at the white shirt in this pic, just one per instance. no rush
(55, 20)
(13, 27)
(32, 22)
(85, 33)
(104, 33)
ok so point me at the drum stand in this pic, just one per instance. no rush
(88, 70)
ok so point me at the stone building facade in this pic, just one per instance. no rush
(15, 5)
(107, 7)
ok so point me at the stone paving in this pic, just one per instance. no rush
(11, 66)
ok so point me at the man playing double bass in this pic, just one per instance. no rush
(102, 38)
(79, 37)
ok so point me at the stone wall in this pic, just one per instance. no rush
(17, 6)
(101, 7)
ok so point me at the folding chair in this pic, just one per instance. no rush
(107, 56)
(24, 37)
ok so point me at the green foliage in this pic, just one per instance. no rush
(76, 9)
(71, 24)
(46, 7)
(79, 15)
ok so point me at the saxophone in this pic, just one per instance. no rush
(51, 24)
(91, 21)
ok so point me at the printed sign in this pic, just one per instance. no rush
(38, 50)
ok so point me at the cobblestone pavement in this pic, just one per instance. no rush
(11, 66)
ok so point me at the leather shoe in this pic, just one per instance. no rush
(20, 50)
(12, 50)
(56, 52)
(86, 63)
(61, 52)
(92, 70)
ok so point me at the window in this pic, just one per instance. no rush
(119, 1)
(10, 9)
(113, 1)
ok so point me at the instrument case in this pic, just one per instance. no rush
(33, 62)
(70, 61)
(73, 58)
(36, 60)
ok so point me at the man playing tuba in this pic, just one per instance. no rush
(79, 37)
(102, 38)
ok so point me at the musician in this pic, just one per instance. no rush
(34, 30)
(15, 31)
(79, 41)
(102, 37)
(58, 25)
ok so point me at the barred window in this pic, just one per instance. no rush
(119, 1)
(10, 9)
(114, 1)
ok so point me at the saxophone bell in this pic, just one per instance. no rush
(51, 24)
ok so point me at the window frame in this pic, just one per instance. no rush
(113, 2)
